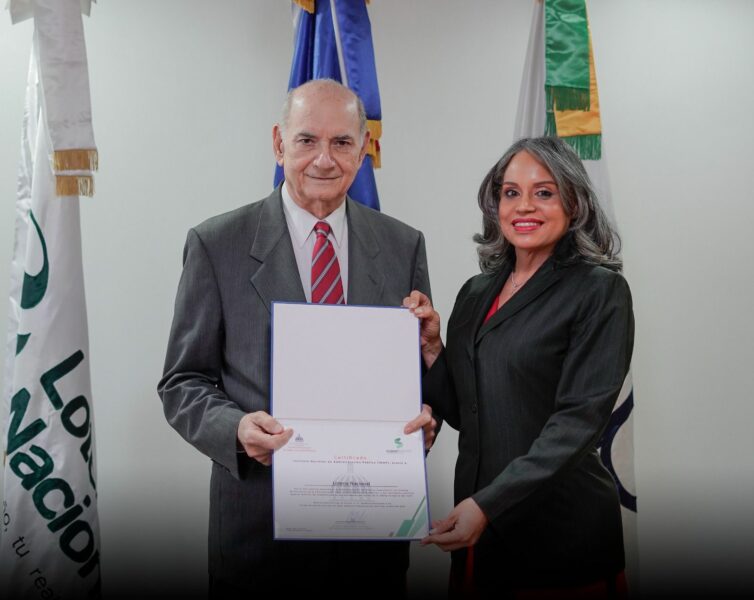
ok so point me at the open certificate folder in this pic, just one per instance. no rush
(347, 379)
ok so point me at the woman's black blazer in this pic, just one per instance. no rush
(531, 391)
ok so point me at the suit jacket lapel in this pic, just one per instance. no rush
(277, 276)
(365, 278)
(545, 277)
(478, 306)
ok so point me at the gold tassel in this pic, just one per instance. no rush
(582, 122)
(307, 5)
(75, 160)
(375, 132)
(74, 185)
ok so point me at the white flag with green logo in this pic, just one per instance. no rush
(49, 540)
(560, 34)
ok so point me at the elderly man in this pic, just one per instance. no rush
(215, 387)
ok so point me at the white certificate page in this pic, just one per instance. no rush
(347, 379)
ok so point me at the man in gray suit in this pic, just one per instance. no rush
(215, 386)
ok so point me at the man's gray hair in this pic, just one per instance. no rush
(335, 87)
(594, 239)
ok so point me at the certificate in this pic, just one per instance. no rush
(347, 379)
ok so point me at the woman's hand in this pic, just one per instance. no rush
(421, 306)
(460, 529)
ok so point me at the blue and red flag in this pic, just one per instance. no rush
(333, 40)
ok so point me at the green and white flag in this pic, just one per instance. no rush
(49, 540)
(559, 97)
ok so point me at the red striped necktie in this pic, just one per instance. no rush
(327, 287)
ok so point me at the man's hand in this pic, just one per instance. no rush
(462, 527)
(424, 421)
(421, 306)
(260, 435)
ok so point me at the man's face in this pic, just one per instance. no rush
(321, 148)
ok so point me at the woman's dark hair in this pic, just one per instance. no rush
(594, 239)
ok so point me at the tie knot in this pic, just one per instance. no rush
(322, 228)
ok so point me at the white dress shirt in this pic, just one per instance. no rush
(301, 227)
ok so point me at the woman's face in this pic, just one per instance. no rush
(531, 212)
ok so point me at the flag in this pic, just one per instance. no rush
(49, 540)
(333, 40)
(559, 97)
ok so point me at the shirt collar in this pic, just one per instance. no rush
(302, 221)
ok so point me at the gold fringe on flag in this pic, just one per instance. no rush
(375, 132)
(582, 129)
(307, 5)
(74, 185)
(582, 122)
(75, 160)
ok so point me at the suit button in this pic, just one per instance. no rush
(473, 408)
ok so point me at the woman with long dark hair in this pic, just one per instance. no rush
(538, 346)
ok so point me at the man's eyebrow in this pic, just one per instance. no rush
(345, 137)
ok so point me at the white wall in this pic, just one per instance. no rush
(184, 95)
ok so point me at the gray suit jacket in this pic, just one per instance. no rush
(217, 366)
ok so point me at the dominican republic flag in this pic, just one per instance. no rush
(333, 40)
